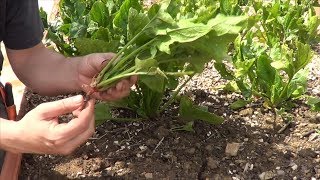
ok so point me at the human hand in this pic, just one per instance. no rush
(91, 65)
(40, 132)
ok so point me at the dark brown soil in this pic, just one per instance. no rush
(151, 150)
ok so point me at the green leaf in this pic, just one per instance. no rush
(313, 25)
(87, 46)
(303, 56)
(231, 86)
(77, 30)
(230, 7)
(187, 127)
(265, 74)
(243, 67)
(145, 65)
(102, 113)
(137, 21)
(228, 24)
(223, 71)
(298, 84)
(44, 17)
(150, 100)
(155, 81)
(240, 103)
(102, 34)
(314, 102)
(244, 88)
(121, 18)
(100, 14)
(190, 112)
(187, 31)
(197, 62)
(276, 90)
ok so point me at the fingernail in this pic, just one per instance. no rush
(77, 99)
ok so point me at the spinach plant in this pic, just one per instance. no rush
(160, 43)
(270, 57)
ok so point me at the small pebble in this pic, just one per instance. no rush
(232, 149)
(148, 175)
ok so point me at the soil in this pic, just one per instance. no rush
(245, 146)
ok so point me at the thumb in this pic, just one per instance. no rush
(60, 107)
(98, 60)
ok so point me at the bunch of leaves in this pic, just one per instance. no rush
(270, 58)
(160, 43)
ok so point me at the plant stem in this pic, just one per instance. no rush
(274, 118)
(103, 85)
(106, 68)
(173, 97)
(123, 60)
(179, 73)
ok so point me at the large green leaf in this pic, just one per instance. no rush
(77, 30)
(100, 14)
(265, 73)
(145, 65)
(150, 100)
(190, 112)
(228, 24)
(102, 113)
(137, 21)
(187, 31)
(303, 56)
(87, 46)
(121, 18)
(223, 71)
(298, 84)
(102, 34)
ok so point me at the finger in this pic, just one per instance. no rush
(133, 80)
(124, 84)
(77, 125)
(99, 60)
(119, 85)
(78, 140)
(105, 96)
(111, 90)
(120, 94)
(56, 108)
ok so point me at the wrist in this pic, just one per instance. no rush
(10, 134)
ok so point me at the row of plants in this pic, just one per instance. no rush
(269, 44)
(270, 58)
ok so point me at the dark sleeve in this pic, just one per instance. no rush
(23, 28)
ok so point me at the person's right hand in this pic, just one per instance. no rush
(41, 133)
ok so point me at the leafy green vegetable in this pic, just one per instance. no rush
(270, 57)
(190, 112)
(161, 43)
(102, 113)
(314, 103)
(240, 103)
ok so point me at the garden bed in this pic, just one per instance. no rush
(149, 149)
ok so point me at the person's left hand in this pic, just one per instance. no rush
(91, 65)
